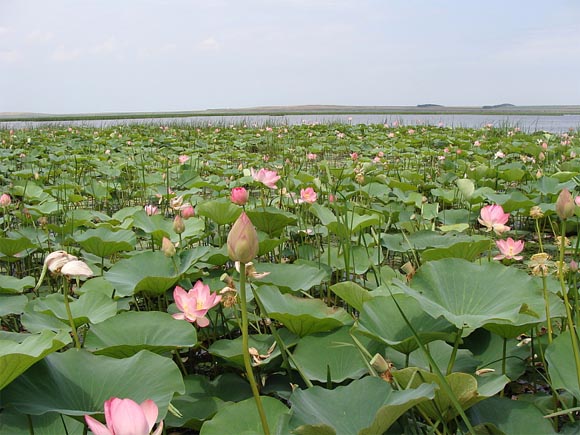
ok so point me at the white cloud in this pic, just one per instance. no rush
(209, 44)
(9, 56)
(39, 37)
(62, 54)
(157, 51)
(4, 30)
(108, 46)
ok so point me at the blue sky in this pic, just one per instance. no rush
(71, 56)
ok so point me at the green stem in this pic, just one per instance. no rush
(504, 356)
(547, 305)
(571, 326)
(246, 350)
(454, 352)
(69, 314)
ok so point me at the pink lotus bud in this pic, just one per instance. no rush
(565, 205)
(5, 200)
(573, 266)
(239, 196)
(167, 247)
(178, 225)
(187, 212)
(151, 210)
(243, 240)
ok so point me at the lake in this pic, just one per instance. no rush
(527, 123)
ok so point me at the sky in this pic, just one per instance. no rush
(88, 56)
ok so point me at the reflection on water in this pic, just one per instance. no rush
(527, 123)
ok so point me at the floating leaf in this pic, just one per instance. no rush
(301, 316)
(76, 383)
(365, 407)
(128, 333)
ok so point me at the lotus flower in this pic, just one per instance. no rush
(494, 218)
(151, 210)
(195, 303)
(239, 196)
(565, 205)
(308, 195)
(509, 249)
(187, 212)
(5, 200)
(126, 417)
(266, 177)
(76, 269)
(243, 240)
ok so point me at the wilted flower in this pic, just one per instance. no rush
(509, 249)
(124, 416)
(494, 218)
(536, 212)
(565, 205)
(195, 303)
(76, 269)
(308, 195)
(57, 259)
(540, 263)
(5, 200)
(251, 271)
(151, 210)
(266, 177)
(239, 196)
(243, 240)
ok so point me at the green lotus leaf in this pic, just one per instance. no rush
(156, 225)
(151, 272)
(17, 357)
(244, 418)
(221, 211)
(464, 387)
(470, 295)
(12, 304)
(340, 360)
(352, 293)
(561, 364)
(14, 423)
(469, 251)
(292, 277)
(10, 284)
(381, 320)
(365, 407)
(88, 308)
(15, 248)
(301, 316)
(128, 333)
(513, 417)
(103, 242)
(76, 383)
(271, 220)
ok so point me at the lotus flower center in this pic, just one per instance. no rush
(199, 305)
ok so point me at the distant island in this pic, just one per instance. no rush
(499, 109)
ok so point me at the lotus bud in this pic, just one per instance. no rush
(76, 269)
(178, 225)
(239, 196)
(565, 206)
(5, 200)
(187, 212)
(243, 240)
(573, 266)
(167, 247)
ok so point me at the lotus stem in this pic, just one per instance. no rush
(246, 350)
(547, 306)
(571, 326)
(69, 314)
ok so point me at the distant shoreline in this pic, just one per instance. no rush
(424, 109)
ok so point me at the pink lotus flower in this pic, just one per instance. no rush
(239, 196)
(354, 156)
(311, 156)
(494, 218)
(5, 200)
(126, 417)
(195, 303)
(187, 212)
(266, 177)
(308, 195)
(509, 249)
